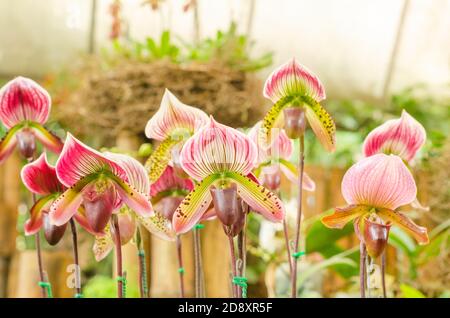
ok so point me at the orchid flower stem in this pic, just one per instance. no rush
(143, 286)
(199, 283)
(37, 240)
(233, 265)
(73, 228)
(301, 164)
(120, 280)
(383, 273)
(286, 239)
(242, 243)
(180, 265)
(362, 269)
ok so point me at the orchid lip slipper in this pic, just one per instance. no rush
(296, 93)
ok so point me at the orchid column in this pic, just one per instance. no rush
(220, 159)
(296, 93)
(24, 109)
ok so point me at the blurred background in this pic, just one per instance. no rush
(106, 64)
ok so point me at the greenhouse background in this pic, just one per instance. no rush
(106, 64)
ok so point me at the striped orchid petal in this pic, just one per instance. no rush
(78, 160)
(402, 137)
(381, 181)
(9, 142)
(22, 99)
(47, 138)
(40, 177)
(170, 181)
(35, 222)
(194, 205)
(174, 119)
(256, 196)
(216, 148)
(290, 79)
(404, 222)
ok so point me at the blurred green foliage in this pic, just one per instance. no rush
(227, 47)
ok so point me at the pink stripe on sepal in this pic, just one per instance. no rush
(290, 79)
(403, 137)
(379, 181)
(218, 148)
(23, 99)
(173, 115)
(40, 177)
(78, 160)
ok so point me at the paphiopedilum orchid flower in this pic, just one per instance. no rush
(100, 182)
(374, 188)
(402, 137)
(24, 109)
(172, 125)
(157, 224)
(293, 85)
(220, 157)
(274, 159)
(39, 177)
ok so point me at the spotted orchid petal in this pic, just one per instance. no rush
(9, 142)
(216, 148)
(40, 177)
(257, 197)
(160, 158)
(174, 118)
(22, 99)
(68, 203)
(194, 205)
(78, 161)
(158, 225)
(103, 244)
(292, 78)
(402, 137)
(404, 222)
(321, 123)
(381, 181)
(342, 216)
(35, 222)
(170, 181)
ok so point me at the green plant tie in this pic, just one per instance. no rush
(124, 285)
(141, 254)
(48, 288)
(241, 282)
(78, 295)
(181, 270)
(199, 226)
(297, 255)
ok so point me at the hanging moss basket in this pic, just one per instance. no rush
(124, 97)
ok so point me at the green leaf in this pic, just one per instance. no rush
(319, 237)
(410, 292)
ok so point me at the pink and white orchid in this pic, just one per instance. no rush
(101, 182)
(39, 177)
(172, 124)
(274, 159)
(374, 188)
(402, 137)
(221, 157)
(24, 109)
(293, 85)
